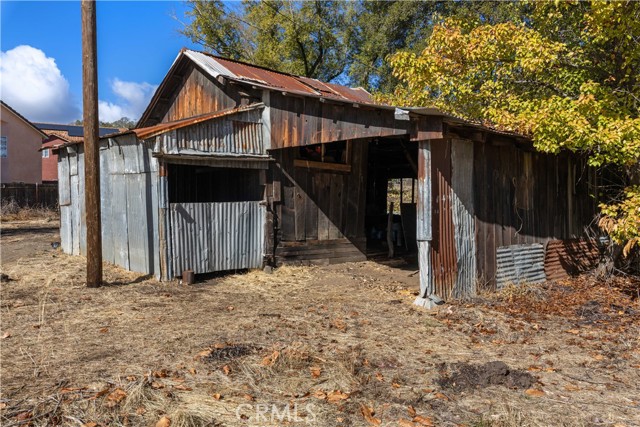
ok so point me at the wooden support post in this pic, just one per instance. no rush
(91, 147)
(424, 234)
(390, 231)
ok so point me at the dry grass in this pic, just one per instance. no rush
(330, 344)
(11, 211)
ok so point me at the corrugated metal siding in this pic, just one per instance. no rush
(443, 252)
(208, 237)
(128, 186)
(520, 264)
(564, 258)
(239, 134)
(463, 217)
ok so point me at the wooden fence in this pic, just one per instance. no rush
(30, 195)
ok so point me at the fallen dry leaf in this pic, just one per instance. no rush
(573, 331)
(182, 387)
(6, 335)
(271, 359)
(379, 376)
(336, 396)
(533, 392)
(315, 371)
(319, 394)
(164, 422)
(162, 373)
(339, 324)
(231, 308)
(441, 396)
(226, 369)
(411, 411)
(571, 387)
(90, 424)
(103, 330)
(23, 416)
(203, 354)
(423, 421)
(217, 396)
(115, 397)
(395, 385)
(403, 422)
(368, 414)
(157, 385)
(248, 397)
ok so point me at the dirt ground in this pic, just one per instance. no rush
(328, 346)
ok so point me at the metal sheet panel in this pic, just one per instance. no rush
(425, 182)
(463, 217)
(443, 250)
(137, 223)
(519, 264)
(564, 258)
(106, 207)
(64, 189)
(66, 229)
(81, 204)
(208, 237)
(120, 222)
(240, 136)
(75, 215)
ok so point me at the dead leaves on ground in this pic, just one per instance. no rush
(335, 396)
(534, 392)
(115, 397)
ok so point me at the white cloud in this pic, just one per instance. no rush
(31, 83)
(132, 100)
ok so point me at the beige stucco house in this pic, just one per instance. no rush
(20, 140)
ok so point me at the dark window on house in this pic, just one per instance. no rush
(202, 184)
(3, 147)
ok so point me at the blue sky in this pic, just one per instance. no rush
(41, 63)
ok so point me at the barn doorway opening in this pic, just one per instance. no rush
(392, 191)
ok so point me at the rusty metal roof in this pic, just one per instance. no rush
(159, 129)
(275, 80)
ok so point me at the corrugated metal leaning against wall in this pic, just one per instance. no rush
(209, 237)
(520, 264)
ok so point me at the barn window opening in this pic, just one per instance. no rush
(203, 184)
(335, 156)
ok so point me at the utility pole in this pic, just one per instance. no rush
(91, 147)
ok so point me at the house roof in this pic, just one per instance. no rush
(21, 117)
(71, 133)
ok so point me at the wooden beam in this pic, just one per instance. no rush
(91, 144)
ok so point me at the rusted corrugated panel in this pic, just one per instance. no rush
(565, 258)
(159, 129)
(519, 264)
(208, 237)
(443, 253)
(272, 79)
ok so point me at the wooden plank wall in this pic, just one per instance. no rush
(320, 213)
(297, 121)
(524, 197)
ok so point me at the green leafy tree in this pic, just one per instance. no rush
(567, 75)
(300, 37)
(329, 40)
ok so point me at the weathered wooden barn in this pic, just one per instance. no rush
(234, 166)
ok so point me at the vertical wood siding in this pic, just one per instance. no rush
(524, 197)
